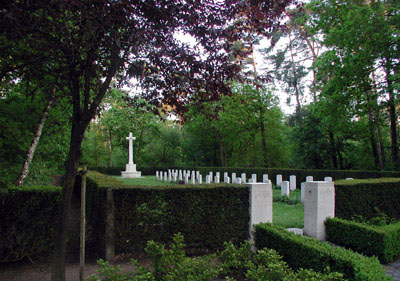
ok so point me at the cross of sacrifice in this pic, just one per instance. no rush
(130, 138)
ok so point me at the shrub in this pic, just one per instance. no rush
(303, 252)
(380, 241)
(173, 264)
(28, 220)
(367, 198)
(207, 215)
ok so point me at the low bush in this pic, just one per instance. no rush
(367, 198)
(303, 252)
(380, 241)
(28, 221)
(233, 263)
(207, 215)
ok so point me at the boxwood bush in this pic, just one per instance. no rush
(380, 241)
(207, 215)
(304, 252)
(366, 197)
(28, 220)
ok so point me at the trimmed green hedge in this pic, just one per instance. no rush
(272, 172)
(380, 241)
(207, 215)
(303, 252)
(362, 197)
(28, 221)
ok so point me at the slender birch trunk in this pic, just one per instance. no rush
(35, 141)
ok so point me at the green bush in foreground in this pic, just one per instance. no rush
(304, 252)
(233, 263)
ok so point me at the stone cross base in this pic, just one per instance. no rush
(131, 172)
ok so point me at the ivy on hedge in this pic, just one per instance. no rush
(28, 221)
(207, 215)
(380, 241)
(364, 197)
(303, 252)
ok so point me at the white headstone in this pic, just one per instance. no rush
(278, 180)
(250, 180)
(225, 174)
(216, 179)
(211, 176)
(197, 175)
(292, 180)
(239, 180)
(302, 190)
(130, 168)
(319, 204)
(328, 179)
(285, 188)
(233, 177)
(309, 178)
(265, 178)
(165, 176)
(260, 204)
(161, 176)
(200, 179)
(254, 177)
(180, 178)
(187, 178)
(349, 179)
(157, 176)
(227, 180)
(175, 177)
(208, 179)
(169, 177)
(243, 176)
(193, 179)
(217, 174)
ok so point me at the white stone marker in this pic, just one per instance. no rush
(175, 177)
(226, 174)
(285, 188)
(227, 180)
(319, 205)
(169, 177)
(260, 205)
(265, 178)
(130, 169)
(217, 174)
(243, 176)
(165, 176)
(254, 177)
(328, 179)
(180, 178)
(216, 179)
(200, 179)
(302, 190)
(292, 180)
(193, 179)
(309, 178)
(233, 177)
(278, 180)
(186, 178)
(208, 179)
(211, 176)
(239, 180)
(157, 175)
(197, 175)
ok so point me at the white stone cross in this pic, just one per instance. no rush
(130, 138)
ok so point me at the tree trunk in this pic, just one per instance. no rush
(110, 163)
(35, 141)
(333, 150)
(263, 141)
(393, 121)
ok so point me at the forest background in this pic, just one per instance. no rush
(338, 63)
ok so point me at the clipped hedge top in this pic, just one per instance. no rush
(30, 188)
(105, 181)
(367, 181)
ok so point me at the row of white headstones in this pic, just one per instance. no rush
(193, 177)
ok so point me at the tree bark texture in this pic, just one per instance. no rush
(35, 141)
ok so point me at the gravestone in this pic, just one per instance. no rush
(130, 169)
(243, 176)
(216, 178)
(161, 176)
(165, 176)
(233, 177)
(285, 188)
(302, 190)
(254, 177)
(200, 179)
(157, 175)
(208, 179)
(225, 174)
(260, 204)
(227, 180)
(328, 179)
(309, 178)
(239, 180)
(278, 180)
(193, 179)
(187, 178)
(292, 182)
(319, 204)
(265, 178)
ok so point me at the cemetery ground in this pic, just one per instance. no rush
(287, 212)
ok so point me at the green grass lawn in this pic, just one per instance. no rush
(284, 215)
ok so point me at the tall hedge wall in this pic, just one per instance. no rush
(360, 197)
(272, 172)
(380, 241)
(206, 216)
(28, 221)
(304, 252)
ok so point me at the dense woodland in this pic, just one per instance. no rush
(338, 63)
